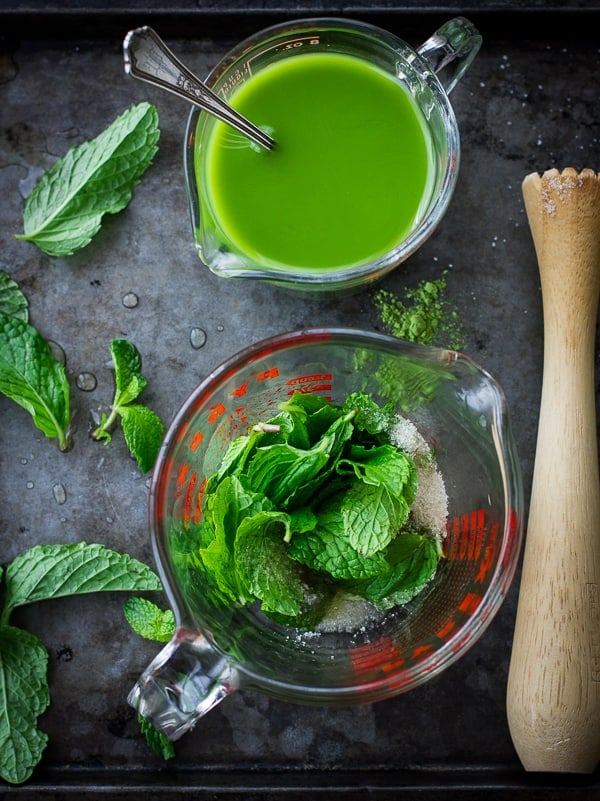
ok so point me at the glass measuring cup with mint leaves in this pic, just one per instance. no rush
(366, 157)
(336, 516)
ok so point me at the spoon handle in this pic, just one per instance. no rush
(553, 699)
(148, 58)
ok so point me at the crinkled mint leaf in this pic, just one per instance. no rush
(326, 547)
(149, 620)
(23, 697)
(370, 417)
(371, 516)
(129, 381)
(12, 301)
(263, 566)
(53, 571)
(413, 559)
(34, 379)
(225, 508)
(65, 209)
(383, 464)
(144, 431)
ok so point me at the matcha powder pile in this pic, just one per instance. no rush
(424, 316)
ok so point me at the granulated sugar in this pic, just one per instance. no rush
(430, 507)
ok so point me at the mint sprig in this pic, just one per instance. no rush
(142, 428)
(65, 209)
(43, 572)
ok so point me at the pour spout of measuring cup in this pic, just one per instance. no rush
(450, 50)
(148, 58)
(183, 682)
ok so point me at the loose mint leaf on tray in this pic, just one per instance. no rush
(65, 209)
(24, 693)
(129, 381)
(12, 301)
(34, 379)
(143, 430)
(54, 571)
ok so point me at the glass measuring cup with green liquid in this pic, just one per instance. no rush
(366, 158)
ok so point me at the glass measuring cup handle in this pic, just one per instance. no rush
(182, 683)
(450, 50)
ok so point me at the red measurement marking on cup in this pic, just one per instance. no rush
(181, 480)
(215, 412)
(317, 384)
(196, 441)
(443, 633)
(382, 654)
(309, 379)
(488, 558)
(466, 536)
(469, 603)
(198, 505)
(239, 392)
(189, 497)
(272, 372)
(421, 651)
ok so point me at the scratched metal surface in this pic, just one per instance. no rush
(525, 105)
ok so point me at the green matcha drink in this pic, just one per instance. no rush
(350, 176)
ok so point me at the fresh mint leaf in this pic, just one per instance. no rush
(383, 464)
(413, 558)
(280, 469)
(65, 209)
(54, 571)
(129, 381)
(34, 379)
(372, 517)
(226, 507)
(263, 566)
(24, 696)
(143, 430)
(370, 417)
(149, 620)
(12, 301)
(326, 548)
(157, 741)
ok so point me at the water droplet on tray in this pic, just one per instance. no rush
(130, 300)
(60, 494)
(197, 338)
(57, 351)
(86, 381)
(30, 485)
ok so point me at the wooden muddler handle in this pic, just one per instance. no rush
(553, 698)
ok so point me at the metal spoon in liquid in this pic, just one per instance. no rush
(148, 58)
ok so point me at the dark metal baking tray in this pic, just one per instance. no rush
(529, 102)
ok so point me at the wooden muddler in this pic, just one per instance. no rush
(553, 698)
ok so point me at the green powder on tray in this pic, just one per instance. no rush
(424, 316)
